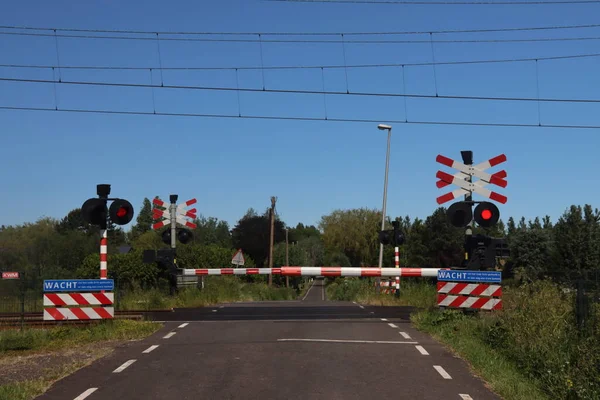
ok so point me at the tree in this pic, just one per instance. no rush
(144, 219)
(252, 233)
(212, 231)
(354, 233)
(444, 241)
(302, 231)
(73, 221)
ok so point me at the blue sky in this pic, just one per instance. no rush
(53, 161)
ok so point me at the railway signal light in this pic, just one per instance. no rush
(184, 235)
(486, 214)
(392, 236)
(94, 212)
(460, 214)
(121, 212)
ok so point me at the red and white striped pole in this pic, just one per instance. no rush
(397, 264)
(103, 254)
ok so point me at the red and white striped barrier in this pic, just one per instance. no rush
(467, 295)
(57, 310)
(78, 299)
(83, 313)
(318, 271)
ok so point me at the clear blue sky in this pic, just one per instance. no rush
(53, 161)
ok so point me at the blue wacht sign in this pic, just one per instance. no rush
(470, 276)
(78, 285)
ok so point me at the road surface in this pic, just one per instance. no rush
(306, 349)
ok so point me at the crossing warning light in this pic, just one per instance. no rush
(486, 214)
(460, 214)
(94, 212)
(121, 212)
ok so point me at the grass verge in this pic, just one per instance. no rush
(459, 332)
(32, 360)
(221, 289)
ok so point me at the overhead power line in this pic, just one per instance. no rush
(296, 91)
(445, 3)
(275, 67)
(319, 41)
(449, 31)
(291, 118)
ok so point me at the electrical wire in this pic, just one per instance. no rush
(275, 67)
(307, 41)
(290, 118)
(296, 91)
(553, 27)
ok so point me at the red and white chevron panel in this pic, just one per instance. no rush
(76, 313)
(318, 271)
(473, 289)
(78, 299)
(483, 303)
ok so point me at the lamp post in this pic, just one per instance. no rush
(385, 184)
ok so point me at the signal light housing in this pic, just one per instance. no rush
(460, 214)
(94, 212)
(121, 212)
(184, 235)
(385, 237)
(486, 214)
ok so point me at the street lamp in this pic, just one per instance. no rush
(383, 127)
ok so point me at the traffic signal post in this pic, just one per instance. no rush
(396, 237)
(95, 211)
(480, 250)
(174, 215)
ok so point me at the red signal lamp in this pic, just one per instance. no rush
(486, 214)
(121, 212)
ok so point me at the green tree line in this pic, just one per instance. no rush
(68, 247)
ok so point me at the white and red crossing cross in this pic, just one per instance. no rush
(180, 214)
(477, 171)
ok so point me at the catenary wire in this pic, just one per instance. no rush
(275, 67)
(296, 91)
(291, 118)
(448, 31)
(445, 3)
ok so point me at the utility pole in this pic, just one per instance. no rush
(287, 258)
(272, 214)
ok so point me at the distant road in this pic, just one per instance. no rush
(305, 349)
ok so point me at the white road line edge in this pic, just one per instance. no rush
(361, 307)
(183, 325)
(392, 325)
(222, 307)
(465, 397)
(384, 319)
(442, 372)
(422, 350)
(122, 367)
(86, 394)
(149, 349)
(308, 291)
(346, 341)
(168, 335)
(214, 310)
(405, 335)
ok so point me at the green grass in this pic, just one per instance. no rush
(459, 332)
(25, 390)
(13, 341)
(222, 289)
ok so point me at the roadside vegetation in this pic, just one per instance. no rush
(33, 359)
(531, 349)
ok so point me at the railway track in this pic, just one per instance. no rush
(36, 319)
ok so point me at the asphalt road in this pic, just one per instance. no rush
(306, 349)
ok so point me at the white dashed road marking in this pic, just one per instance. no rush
(168, 335)
(85, 394)
(384, 319)
(183, 325)
(392, 325)
(442, 372)
(122, 367)
(149, 349)
(345, 341)
(465, 397)
(361, 307)
(422, 350)
(405, 335)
